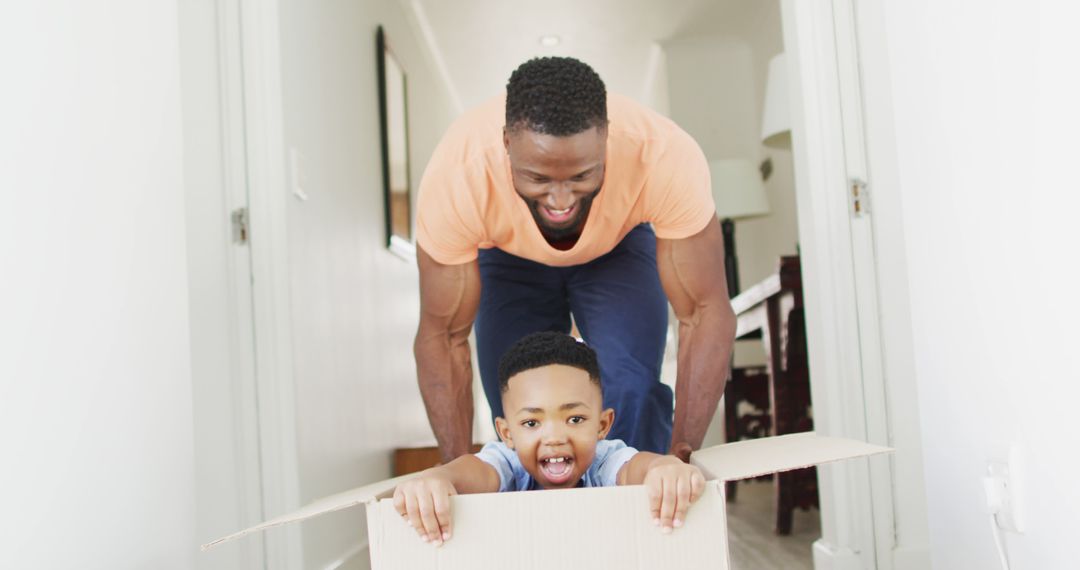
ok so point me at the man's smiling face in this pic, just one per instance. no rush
(557, 176)
(554, 418)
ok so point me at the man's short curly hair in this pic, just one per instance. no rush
(558, 96)
(546, 348)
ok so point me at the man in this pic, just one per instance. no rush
(535, 207)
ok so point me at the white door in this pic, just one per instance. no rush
(228, 458)
(245, 450)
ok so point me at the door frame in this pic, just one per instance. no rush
(841, 293)
(229, 486)
(267, 190)
(252, 117)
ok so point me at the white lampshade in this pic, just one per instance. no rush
(737, 189)
(776, 120)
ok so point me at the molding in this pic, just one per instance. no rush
(839, 279)
(864, 260)
(403, 248)
(911, 558)
(417, 18)
(267, 195)
(244, 430)
(912, 522)
(361, 548)
(827, 557)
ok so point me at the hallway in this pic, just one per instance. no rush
(202, 326)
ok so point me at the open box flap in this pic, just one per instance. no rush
(754, 457)
(727, 462)
(344, 500)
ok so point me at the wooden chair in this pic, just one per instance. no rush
(747, 413)
(774, 309)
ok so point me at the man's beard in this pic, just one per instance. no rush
(564, 232)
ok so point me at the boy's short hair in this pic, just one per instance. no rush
(544, 349)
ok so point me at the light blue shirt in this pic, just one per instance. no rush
(611, 455)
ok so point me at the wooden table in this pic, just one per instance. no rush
(412, 459)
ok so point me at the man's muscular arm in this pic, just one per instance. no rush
(692, 273)
(449, 296)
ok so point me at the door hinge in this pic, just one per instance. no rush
(860, 197)
(240, 226)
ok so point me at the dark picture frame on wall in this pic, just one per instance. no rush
(394, 128)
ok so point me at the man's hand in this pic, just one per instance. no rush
(682, 450)
(424, 502)
(672, 486)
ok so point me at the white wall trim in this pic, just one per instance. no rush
(403, 248)
(268, 193)
(891, 244)
(417, 17)
(245, 428)
(839, 287)
(864, 260)
(911, 558)
(827, 557)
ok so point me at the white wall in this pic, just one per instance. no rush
(972, 123)
(717, 90)
(354, 305)
(95, 397)
(761, 241)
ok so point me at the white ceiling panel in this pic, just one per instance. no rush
(482, 41)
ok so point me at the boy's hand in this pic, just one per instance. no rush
(672, 485)
(424, 502)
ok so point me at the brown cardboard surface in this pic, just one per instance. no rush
(753, 457)
(578, 528)
(607, 527)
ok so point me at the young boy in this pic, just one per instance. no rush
(552, 438)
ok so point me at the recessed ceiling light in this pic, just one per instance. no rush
(550, 40)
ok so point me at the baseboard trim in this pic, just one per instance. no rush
(911, 558)
(828, 557)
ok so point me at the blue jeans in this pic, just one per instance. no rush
(620, 309)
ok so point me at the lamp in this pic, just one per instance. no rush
(739, 194)
(776, 120)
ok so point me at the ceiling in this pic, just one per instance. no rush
(481, 42)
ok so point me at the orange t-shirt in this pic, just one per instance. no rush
(654, 172)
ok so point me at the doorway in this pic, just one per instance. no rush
(849, 391)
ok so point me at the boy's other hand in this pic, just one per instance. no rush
(424, 502)
(672, 486)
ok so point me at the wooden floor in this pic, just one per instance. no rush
(754, 545)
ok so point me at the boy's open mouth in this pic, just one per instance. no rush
(557, 470)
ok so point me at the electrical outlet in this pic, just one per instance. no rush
(1002, 493)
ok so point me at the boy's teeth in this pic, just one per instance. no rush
(557, 465)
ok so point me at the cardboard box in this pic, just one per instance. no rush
(606, 527)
